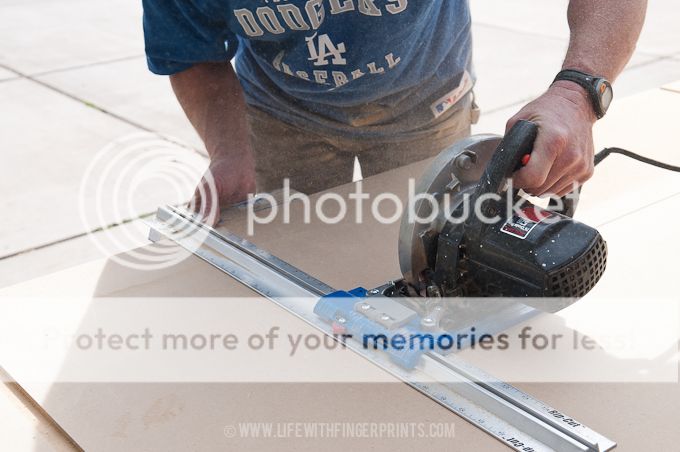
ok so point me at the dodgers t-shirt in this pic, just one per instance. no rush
(331, 65)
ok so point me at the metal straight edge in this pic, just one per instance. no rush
(511, 416)
(546, 413)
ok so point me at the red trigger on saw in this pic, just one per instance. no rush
(526, 159)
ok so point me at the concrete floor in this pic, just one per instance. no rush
(73, 79)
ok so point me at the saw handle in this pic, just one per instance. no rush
(506, 159)
(513, 153)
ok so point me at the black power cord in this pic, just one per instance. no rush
(606, 152)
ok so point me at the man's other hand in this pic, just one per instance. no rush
(563, 151)
(226, 182)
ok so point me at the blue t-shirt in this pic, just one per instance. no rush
(325, 64)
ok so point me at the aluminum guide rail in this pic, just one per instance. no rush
(513, 417)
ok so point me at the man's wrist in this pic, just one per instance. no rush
(576, 94)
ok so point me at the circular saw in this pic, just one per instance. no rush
(466, 234)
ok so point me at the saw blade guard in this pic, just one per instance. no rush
(454, 172)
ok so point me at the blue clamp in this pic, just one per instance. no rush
(377, 323)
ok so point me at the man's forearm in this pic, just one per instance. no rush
(213, 100)
(603, 35)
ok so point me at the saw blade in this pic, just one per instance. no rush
(455, 171)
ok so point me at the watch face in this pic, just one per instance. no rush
(606, 94)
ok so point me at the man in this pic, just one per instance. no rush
(322, 81)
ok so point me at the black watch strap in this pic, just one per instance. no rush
(589, 83)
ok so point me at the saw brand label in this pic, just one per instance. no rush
(520, 226)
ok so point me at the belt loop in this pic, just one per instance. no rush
(475, 111)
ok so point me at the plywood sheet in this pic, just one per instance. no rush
(194, 416)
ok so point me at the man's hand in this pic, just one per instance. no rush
(213, 100)
(227, 181)
(563, 151)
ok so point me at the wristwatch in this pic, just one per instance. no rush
(599, 89)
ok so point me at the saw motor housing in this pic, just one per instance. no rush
(536, 253)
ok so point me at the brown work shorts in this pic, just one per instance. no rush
(313, 162)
